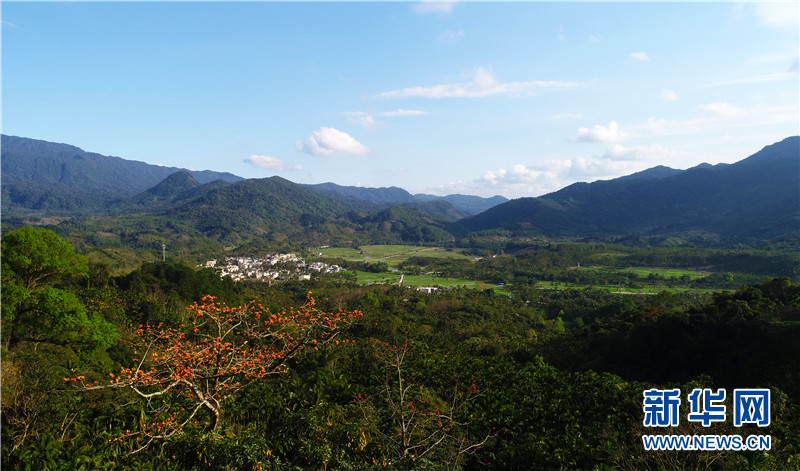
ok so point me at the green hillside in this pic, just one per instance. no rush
(752, 200)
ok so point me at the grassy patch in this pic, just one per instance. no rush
(391, 254)
(667, 272)
(416, 281)
(624, 289)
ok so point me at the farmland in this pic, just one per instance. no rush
(393, 255)
(448, 268)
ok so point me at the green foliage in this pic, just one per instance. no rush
(35, 261)
(558, 374)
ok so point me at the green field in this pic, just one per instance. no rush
(365, 278)
(667, 272)
(624, 289)
(393, 255)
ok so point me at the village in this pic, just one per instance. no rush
(271, 268)
(283, 267)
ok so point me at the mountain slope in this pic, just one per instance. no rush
(355, 194)
(756, 198)
(45, 175)
(468, 204)
(375, 198)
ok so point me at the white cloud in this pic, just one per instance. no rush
(272, 163)
(362, 119)
(449, 36)
(723, 110)
(640, 56)
(522, 180)
(427, 6)
(367, 120)
(330, 141)
(718, 115)
(714, 116)
(765, 78)
(552, 175)
(483, 84)
(778, 14)
(655, 152)
(568, 116)
(402, 112)
(599, 133)
(669, 95)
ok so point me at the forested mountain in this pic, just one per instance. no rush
(372, 198)
(754, 199)
(45, 175)
(357, 194)
(178, 187)
(257, 207)
(466, 203)
(276, 209)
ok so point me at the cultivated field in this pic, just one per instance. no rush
(391, 254)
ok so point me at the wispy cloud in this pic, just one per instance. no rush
(778, 14)
(713, 116)
(521, 180)
(5, 23)
(402, 112)
(669, 95)
(600, 133)
(449, 36)
(655, 152)
(367, 120)
(271, 163)
(568, 116)
(723, 110)
(332, 142)
(717, 116)
(640, 56)
(426, 6)
(483, 84)
(764, 78)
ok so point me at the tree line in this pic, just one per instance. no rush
(367, 377)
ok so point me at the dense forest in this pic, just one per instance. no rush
(167, 366)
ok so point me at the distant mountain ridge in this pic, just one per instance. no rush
(754, 200)
(757, 198)
(44, 175)
(463, 205)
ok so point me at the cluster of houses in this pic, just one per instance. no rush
(281, 267)
(277, 267)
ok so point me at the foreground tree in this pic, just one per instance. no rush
(183, 372)
(45, 326)
(35, 307)
(418, 425)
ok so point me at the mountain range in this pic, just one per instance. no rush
(751, 201)
(757, 198)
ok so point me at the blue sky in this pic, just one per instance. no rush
(517, 99)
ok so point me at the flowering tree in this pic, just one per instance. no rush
(184, 371)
